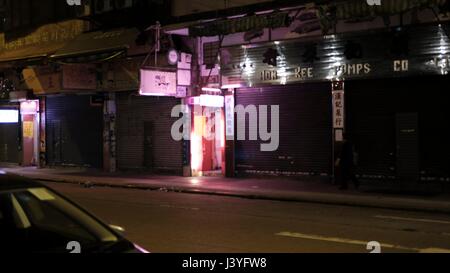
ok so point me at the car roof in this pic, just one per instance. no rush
(15, 182)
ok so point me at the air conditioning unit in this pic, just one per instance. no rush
(123, 4)
(102, 6)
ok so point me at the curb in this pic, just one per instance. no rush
(416, 205)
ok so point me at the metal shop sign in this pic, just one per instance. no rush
(47, 34)
(242, 24)
(42, 80)
(158, 83)
(395, 53)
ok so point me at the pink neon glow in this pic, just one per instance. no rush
(195, 181)
(211, 101)
(29, 107)
(222, 132)
(196, 151)
(209, 89)
(207, 100)
(151, 94)
(231, 86)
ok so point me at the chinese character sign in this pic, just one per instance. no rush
(338, 109)
(158, 83)
(229, 115)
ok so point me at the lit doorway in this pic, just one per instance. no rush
(208, 138)
(29, 111)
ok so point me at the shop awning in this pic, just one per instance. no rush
(355, 9)
(98, 42)
(182, 28)
(30, 52)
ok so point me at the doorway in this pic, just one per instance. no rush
(407, 145)
(30, 132)
(208, 141)
(148, 144)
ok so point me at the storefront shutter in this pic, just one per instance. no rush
(144, 138)
(305, 141)
(74, 131)
(9, 142)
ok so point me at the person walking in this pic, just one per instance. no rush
(347, 164)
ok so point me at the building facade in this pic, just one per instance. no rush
(264, 89)
(377, 75)
(81, 74)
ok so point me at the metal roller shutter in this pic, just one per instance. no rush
(434, 127)
(370, 116)
(144, 133)
(74, 131)
(377, 109)
(9, 142)
(305, 140)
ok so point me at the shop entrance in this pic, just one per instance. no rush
(207, 141)
(30, 132)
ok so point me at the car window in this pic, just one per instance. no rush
(39, 220)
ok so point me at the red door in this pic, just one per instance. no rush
(28, 134)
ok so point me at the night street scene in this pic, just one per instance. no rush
(225, 127)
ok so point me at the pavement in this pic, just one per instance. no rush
(418, 197)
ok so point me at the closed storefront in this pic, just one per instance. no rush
(74, 131)
(400, 126)
(9, 135)
(305, 141)
(144, 138)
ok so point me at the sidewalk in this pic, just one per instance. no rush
(314, 189)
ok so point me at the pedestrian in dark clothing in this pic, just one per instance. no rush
(347, 165)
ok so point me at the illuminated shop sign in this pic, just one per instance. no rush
(425, 51)
(158, 83)
(9, 116)
(29, 107)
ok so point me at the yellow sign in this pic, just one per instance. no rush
(28, 128)
(49, 33)
(42, 80)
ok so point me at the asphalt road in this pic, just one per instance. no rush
(170, 222)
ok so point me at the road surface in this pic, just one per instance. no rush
(167, 222)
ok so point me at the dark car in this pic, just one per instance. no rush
(34, 218)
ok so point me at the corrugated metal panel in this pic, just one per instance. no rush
(244, 64)
(144, 133)
(9, 142)
(371, 109)
(407, 145)
(361, 9)
(434, 125)
(305, 131)
(370, 115)
(74, 131)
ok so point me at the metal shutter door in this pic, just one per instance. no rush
(74, 132)
(372, 108)
(9, 142)
(305, 145)
(370, 116)
(144, 138)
